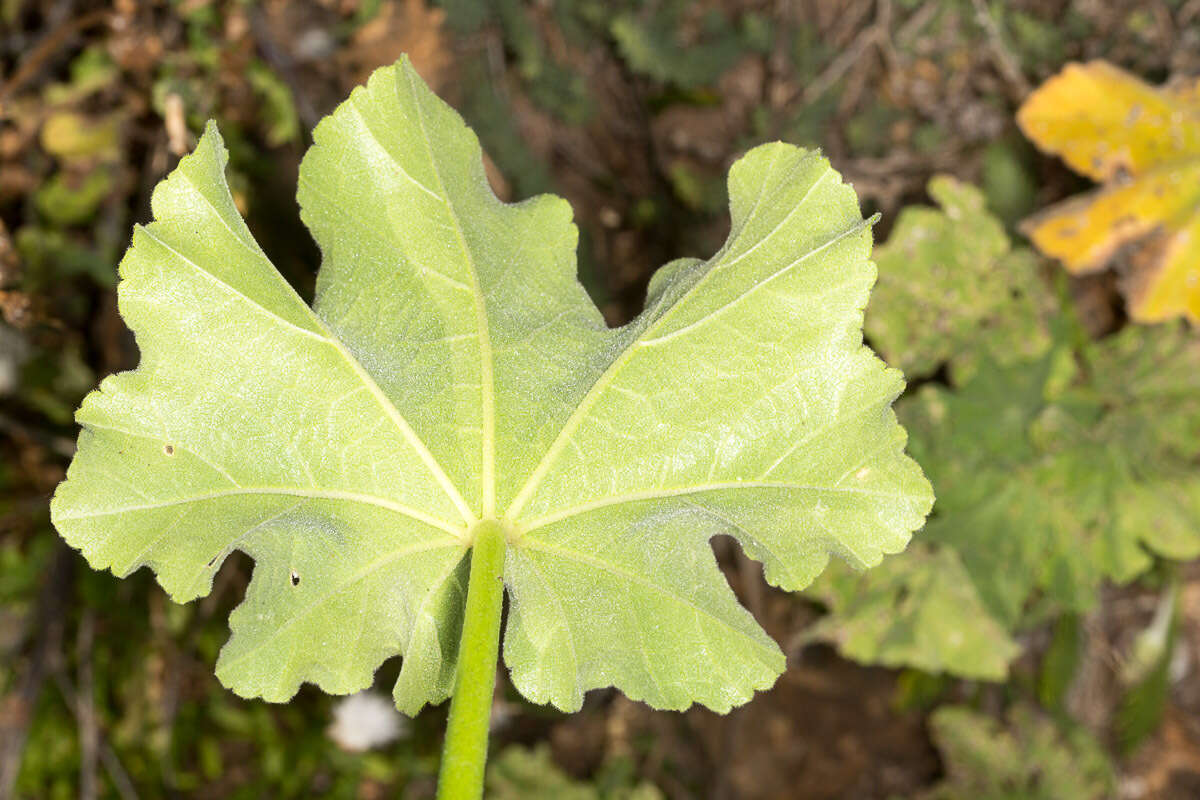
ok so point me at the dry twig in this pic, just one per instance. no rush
(1006, 62)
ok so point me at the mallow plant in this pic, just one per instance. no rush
(452, 422)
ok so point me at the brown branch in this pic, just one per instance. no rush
(85, 706)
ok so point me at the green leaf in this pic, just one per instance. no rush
(1061, 661)
(453, 370)
(1026, 758)
(919, 610)
(1048, 483)
(1146, 674)
(649, 41)
(522, 774)
(64, 201)
(1081, 484)
(953, 289)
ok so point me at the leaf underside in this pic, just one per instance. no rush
(453, 369)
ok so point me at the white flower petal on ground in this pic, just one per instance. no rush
(365, 720)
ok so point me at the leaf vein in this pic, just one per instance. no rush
(633, 577)
(352, 497)
(660, 494)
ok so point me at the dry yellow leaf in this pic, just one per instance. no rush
(1143, 144)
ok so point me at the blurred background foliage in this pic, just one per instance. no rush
(1039, 639)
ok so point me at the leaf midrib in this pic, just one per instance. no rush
(564, 436)
(487, 381)
(389, 408)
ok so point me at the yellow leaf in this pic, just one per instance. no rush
(69, 135)
(1143, 143)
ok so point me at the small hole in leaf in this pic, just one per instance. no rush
(169, 449)
(295, 578)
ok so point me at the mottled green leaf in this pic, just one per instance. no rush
(453, 370)
(918, 610)
(1049, 482)
(1027, 757)
(953, 289)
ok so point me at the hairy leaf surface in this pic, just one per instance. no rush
(451, 370)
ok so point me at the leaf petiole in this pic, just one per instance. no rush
(465, 751)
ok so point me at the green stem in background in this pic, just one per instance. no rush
(465, 751)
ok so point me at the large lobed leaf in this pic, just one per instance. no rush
(452, 369)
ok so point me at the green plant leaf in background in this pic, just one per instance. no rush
(919, 610)
(952, 288)
(521, 774)
(1026, 758)
(1068, 465)
(1146, 673)
(453, 371)
(650, 42)
(1064, 476)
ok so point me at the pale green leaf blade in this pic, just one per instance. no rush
(465, 309)
(454, 370)
(742, 402)
(648, 612)
(248, 427)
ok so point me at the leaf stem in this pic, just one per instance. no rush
(465, 751)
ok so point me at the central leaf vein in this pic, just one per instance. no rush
(487, 388)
